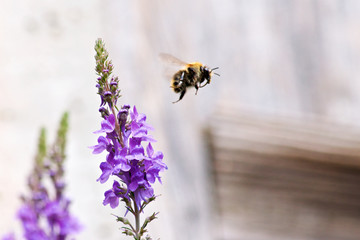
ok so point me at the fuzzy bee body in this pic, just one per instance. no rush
(192, 75)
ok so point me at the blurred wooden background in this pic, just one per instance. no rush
(281, 178)
(296, 59)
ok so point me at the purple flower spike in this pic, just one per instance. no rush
(125, 134)
(45, 211)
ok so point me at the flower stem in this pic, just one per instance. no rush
(117, 127)
(137, 220)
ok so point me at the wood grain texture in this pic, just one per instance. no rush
(274, 174)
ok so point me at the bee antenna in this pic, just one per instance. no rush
(214, 72)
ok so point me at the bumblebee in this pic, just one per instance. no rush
(193, 74)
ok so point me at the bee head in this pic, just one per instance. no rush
(208, 72)
(206, 75)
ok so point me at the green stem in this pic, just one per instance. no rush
(137, 220)
(117, 126)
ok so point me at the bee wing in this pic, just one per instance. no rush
(168, 73)
(171, 65)
(168, 58)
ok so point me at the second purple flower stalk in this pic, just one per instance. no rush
(130, 158)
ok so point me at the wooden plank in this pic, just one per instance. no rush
(297, 168)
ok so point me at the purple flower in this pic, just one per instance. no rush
(107, 170)
(36, 234)
(136, 117)
(115, 163)
(156, 164)
(28, 217)
(107, 125)
(103, 142)
(9, 236)
(58, 217)
(30, 223)
(136, 153)
(122, 164)
(142, 194)
(112, 196)
(139, 127)
(54, 212)
(69, 225)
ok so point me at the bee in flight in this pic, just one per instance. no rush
(193, 74)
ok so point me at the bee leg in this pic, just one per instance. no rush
(197, 88)
(181, 95)
(182, 76)
(201, 86)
